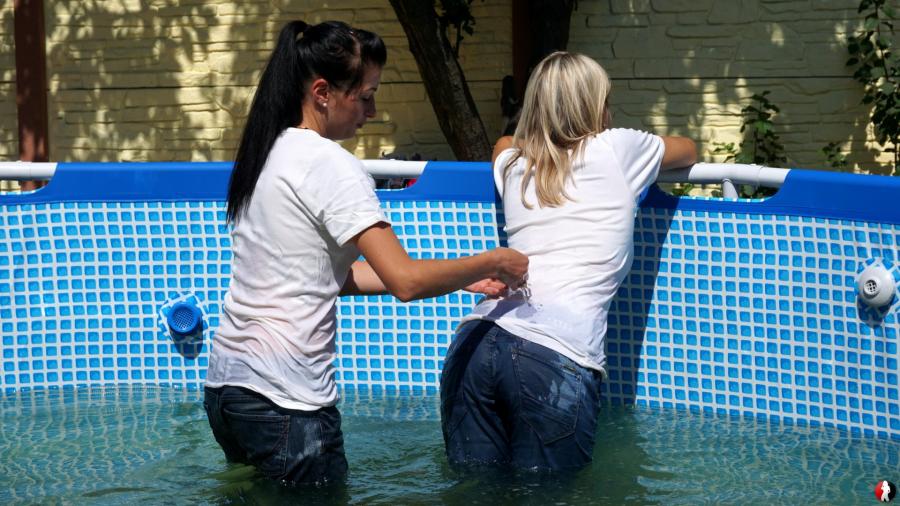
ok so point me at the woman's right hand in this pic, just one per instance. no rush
(512, 267)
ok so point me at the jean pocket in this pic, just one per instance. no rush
(550, 393)
(262, 433)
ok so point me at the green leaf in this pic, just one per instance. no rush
(744, 158)
(871, 23)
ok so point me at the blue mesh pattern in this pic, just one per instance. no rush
(744, 314)
(81, 286)
(755, 315)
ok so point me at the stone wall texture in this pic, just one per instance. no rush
(9, 131)
(134, 80)
(173, 79)
(687, 67)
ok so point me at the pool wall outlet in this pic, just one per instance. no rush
(877, 288)
(182, 318)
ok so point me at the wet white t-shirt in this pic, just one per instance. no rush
(580, 252)
(292, 254)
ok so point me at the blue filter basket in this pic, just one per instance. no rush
(185, 320)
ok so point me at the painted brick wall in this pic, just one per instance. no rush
(172, 79)
(9, 131)
(689, 66)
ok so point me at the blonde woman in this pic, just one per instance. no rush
(521, 381)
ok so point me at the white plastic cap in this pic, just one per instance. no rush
(876, 286)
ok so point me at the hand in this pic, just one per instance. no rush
(490, 287)
(512, 267)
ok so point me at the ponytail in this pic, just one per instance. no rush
(331, 50)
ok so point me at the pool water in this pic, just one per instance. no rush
(135, 445)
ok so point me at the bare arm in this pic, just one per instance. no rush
(680, 152)
(362, 280)
(389, 266)
(504, 142)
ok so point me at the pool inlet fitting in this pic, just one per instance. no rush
(185, 321)
(876, 286)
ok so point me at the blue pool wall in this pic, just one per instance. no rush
(746, 308)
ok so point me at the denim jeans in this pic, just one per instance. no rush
(510, 402)
(291, 446)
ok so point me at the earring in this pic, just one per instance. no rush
(323, 104)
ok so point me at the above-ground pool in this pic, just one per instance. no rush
(744, 363)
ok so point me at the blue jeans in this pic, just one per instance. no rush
(291, 446)
(510, 402)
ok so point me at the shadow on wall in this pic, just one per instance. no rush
(162, 80)
(116, 72)
(688, 69)
(172, 80)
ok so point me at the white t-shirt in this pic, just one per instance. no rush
(291, 257)
(580, 252)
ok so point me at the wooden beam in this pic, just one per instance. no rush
(522, 45)
(31, 81)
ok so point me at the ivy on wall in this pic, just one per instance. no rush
(872, 55)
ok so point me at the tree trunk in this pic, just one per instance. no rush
(444, 80)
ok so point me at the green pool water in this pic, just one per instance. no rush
(131, 445)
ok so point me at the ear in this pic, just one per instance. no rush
(319, 91)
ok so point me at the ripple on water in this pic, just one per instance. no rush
(131, 445)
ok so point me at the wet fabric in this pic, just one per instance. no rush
(291, 446)
(509, 401)
(579, 252)
(292, 254)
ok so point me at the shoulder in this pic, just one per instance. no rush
(628, 139)
(329, 160)
(624, 134)
(334, 154)
(311, 146)
(501, 159)
(305, 160)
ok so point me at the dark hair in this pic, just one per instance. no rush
(331, 50)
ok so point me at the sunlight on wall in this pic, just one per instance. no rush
(689, 67)
(9, 134)
(163, 80)
(170, 80)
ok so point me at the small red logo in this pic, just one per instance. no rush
(885, 491)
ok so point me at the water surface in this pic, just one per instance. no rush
(134, 445)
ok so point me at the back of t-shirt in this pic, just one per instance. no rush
(292, 252)
(579, 252)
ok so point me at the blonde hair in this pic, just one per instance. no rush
(565, 103)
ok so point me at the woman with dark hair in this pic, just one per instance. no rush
(303, 210)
